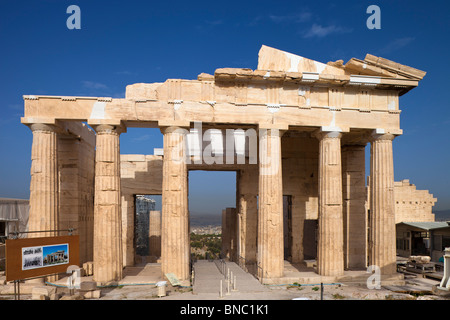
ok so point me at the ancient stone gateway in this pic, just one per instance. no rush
(299, 129)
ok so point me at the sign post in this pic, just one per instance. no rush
(37, 257)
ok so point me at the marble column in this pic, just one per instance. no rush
(330, 247)
(108, 255)
(382, 250)
(44, 181)
(175, 246)
(270, 213)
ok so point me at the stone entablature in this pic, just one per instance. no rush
(298, 93)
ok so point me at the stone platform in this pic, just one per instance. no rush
(302, 274)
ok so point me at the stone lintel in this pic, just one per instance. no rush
(279, 126)
(174, 123)
(32, 120)
(97, 122)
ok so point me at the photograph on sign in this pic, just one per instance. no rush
(44, 256)
(32, 258)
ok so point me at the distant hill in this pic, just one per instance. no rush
(198, 219)
(442, 215)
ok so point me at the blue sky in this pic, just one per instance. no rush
(125, 42)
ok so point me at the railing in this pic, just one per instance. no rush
(220, 264)
(15, 234)
(251, 267)
(192, 261)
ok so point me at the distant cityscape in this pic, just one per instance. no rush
(216, 230)
(200, 223)
(204, 219)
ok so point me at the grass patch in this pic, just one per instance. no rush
(295, 285)
(338, 296)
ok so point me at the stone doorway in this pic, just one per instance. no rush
(147, 228)
(210, 193)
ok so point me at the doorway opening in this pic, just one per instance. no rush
(147, 228)
(212, 197)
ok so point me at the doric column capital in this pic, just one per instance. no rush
(109, 129)
(381, 137)
(172, 125)
(43, 127)
(380, 134)
(174, 129)
(325, 134)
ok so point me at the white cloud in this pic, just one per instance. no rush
(319, 31)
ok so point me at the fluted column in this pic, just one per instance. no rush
(330, 248)
(270, 213)
(44, 181)
(175, 246)
(108, 255)
(382, 251)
